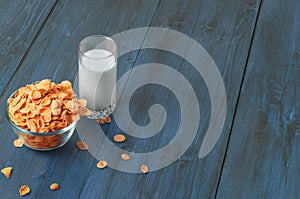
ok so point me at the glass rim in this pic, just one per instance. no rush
(113, 53)
(42, 134)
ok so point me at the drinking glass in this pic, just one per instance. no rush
(97, 75)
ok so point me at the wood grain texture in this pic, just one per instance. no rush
(20, 22)
(224, 28)
(263, 155)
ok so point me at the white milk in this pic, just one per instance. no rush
(97, 78)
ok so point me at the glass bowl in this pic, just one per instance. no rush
(42, 141)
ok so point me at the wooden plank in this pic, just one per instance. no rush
(263, 154)
(226, 37)
(20, 22)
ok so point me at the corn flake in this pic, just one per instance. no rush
(7, 171)
(36, 95)
(54, 186)
(82, 146)
(101, 121)
(144, 169)
(18, 143)
(107, 119)
(14, 101)
(102, 164)
(24, 190)
(119, 138)
(46, 101)
(125, 156)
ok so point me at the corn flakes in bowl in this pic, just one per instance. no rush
(44, 114)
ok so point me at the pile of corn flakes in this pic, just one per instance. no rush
(44, 107)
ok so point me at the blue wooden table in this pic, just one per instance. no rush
(256, 47)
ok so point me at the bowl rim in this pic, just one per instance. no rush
(67, 128)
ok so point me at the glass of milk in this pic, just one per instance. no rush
(97, 75)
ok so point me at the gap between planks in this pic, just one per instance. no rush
(239, 94)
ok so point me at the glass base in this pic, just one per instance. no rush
(103, 113)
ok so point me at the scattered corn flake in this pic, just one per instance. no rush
(125, 156)
(101, 164)
(107, 119)
(101, 121)
(144, 169)
(18, 143)
(119, 138)
(7, 171)
(54, 186)
(82, 146)
(24, 190)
